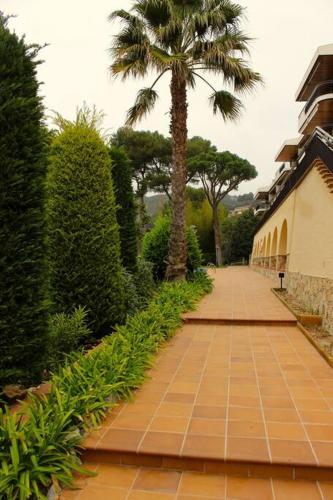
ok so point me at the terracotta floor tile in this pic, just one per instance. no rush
(169, 424)
(204, 447)
(204, 399)
(296, 452)
(246, 429)
(320, 432)
(324, 452)
(131, 421)
(103, 493)
(247, 448)
(209, 412)
(317, 417)
(149, 495)
(120, 439)
(202, 485)
(207, 426)
(272, 402)
(140, 408)
(114, 476)
(179, 397)
(175, 410)
(250, 414)
(295, 490)
(183, 387)
(249, 402)
(281, 415)
(249, 488)
(327, 490)
(161, 443)
(157, 480)
(281, 430)
(311, 404)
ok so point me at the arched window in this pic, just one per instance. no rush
(274, 243)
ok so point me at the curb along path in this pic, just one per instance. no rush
(238, 391)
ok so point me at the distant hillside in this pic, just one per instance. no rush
(155, 203)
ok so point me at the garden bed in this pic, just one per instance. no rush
(304, 316)
(310, 324)
(41, 449)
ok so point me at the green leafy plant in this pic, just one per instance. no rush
(66, 333)
(156, 244)
(40, 447)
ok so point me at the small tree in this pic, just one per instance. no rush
(23, 307)
(237, 236)
(155, 247)
(122, 182)
(221, 173)
(83, 231)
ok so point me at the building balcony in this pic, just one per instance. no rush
(318, 111)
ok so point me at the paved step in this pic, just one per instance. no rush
(138, 483)
(194, 320)
(256, 399)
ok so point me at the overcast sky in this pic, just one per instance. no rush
(286, 35)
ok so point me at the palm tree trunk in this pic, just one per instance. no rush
(176, 269)
(217, 236)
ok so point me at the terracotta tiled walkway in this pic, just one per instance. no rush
(240, 293)
(253, 400)
(134, 483)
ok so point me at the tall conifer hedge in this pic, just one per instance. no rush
(23, 308)
(83, 231)
(122, 182)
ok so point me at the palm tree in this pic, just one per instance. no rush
(185, 38)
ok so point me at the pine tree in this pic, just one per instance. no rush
(84, 241)
(23, 308)
(122, 182)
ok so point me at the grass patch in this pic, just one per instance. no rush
(40, 446)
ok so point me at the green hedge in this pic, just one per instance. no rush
(83, 234)
(122, 182)
(41, 450)
(23, 304)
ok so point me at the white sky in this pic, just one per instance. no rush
(286, 35)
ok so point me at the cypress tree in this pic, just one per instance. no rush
(122, 182)
(23, 308)
(84, 246)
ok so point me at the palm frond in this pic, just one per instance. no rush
(133, 63)
(227, 104)
(144, 103)
(247, 79)
(155, 12)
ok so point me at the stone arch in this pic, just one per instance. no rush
(268, 246)
(283, 241)
(274, 243)
(283, 245)
(273, 251)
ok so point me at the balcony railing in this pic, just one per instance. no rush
(321, 89)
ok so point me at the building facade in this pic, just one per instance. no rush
(295, 234)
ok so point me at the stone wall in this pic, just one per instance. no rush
(316, 294)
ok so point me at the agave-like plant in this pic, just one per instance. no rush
(186, 38)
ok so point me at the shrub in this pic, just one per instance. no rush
(23, 306)
(156, 245)
(144, 281)
(83, 231)
(122, 182)
(40, 449)
(132, 299)
(66, 333)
